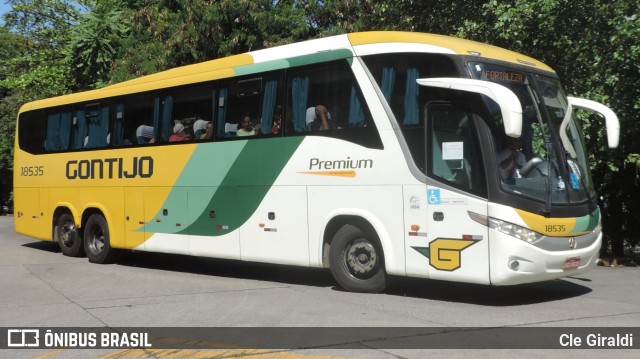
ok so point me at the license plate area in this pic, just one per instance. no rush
(571, 263)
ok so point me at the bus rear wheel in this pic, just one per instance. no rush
(356, 261)
(96, 240)
(68, 236)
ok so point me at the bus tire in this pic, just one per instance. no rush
(356, 261)
(96, 241)
(68, 236)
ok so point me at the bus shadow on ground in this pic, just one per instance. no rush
(428, 289)
(227, 268)
(486, 295)
(45, 246)
(403, 287)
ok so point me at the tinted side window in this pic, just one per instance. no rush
(134, 120)
(396, 76)
(191, 110)
(96, 117)
(58, 135)
(326, 100)
(250, 107)
(32, 131)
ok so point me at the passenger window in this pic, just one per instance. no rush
(32, 131)
(191, 110)
(326, 100)
(454, 157)
(96, 117)
(250, 107)
(134, 120)
(58, 136)
(396, 76)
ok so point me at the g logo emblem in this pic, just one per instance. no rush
(445, 253)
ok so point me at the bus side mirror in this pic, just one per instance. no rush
(508, 102)
(611, 120)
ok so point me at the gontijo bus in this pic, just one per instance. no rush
(372, 154)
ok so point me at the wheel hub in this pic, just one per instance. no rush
(362, 257)
(66, 234)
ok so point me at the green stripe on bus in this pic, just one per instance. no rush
(324, 56)
(261, 67)
(587, 223)
(266, 66)
(244, 187)
(230, 184)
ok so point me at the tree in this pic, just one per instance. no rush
(33, 65)
(96, 42)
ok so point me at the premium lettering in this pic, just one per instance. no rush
(109, 168)
(348, 163)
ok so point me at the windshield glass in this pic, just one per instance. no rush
(538, 165)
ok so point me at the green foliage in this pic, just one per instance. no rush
(33, 65)
(95, 43)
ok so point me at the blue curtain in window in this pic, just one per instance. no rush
(58, 131)
(80, 130)
(117, 138)
(268, 105)
(299, 96)
(356, 115)
(213, 107)
(118, 126)
(156, 118)
(411, 111)
(93, 126)
(221, 104)
(52, 141)
(65, 130)
(167, 114)
(388, 80)
(98, 128)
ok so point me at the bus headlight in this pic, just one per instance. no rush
(514, 230)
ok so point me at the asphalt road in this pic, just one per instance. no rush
(42, 288)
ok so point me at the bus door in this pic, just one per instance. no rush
(458, 246)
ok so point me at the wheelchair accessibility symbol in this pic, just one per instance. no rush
(433, 196)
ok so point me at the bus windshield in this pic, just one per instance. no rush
(538, 165)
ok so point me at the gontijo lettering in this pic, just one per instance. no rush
(348, 163)
(110, 168)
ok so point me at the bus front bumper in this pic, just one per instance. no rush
(514, 261)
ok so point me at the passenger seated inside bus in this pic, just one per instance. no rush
(511, 158)
(179, 134)
(246, 128)
(277, 122)
(200, 131)
(208, 131)
(319, 118)
(144, 134)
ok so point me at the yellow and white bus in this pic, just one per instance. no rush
(372, 154)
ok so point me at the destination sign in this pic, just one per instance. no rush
(505, 76)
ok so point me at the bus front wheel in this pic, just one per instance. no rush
(96, 240)
(68, 236)
(356, 261)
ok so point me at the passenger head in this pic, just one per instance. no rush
(245, 122)
(178, 128)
